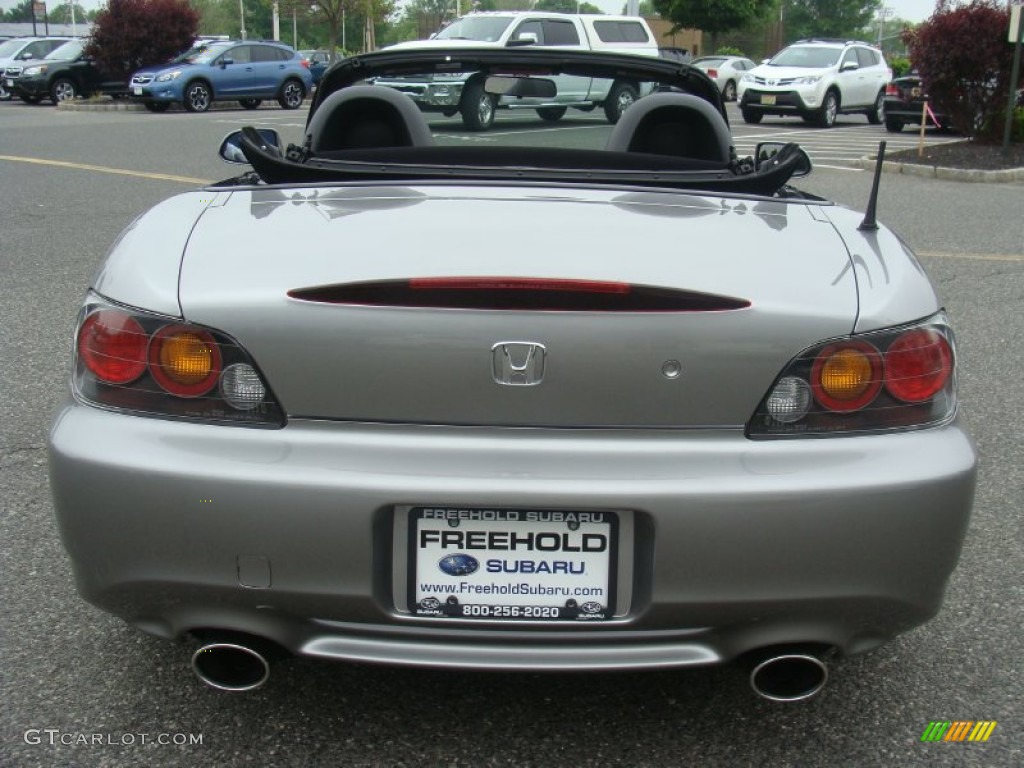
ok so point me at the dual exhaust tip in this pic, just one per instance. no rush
(789, 677)
(242, 666)
(231, 666)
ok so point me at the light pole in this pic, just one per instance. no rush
(241, 15)
(883, 14)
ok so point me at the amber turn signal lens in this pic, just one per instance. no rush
(847, 376)
(184, 361)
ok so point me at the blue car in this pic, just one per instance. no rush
(317, 62)
(247, 72)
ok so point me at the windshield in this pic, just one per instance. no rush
(10, 48)
(72, 49)
(483, 28)
(203, 53)
(806, 56)
(708, 62)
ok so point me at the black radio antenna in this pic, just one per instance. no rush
(869, 222)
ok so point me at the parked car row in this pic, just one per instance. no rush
(59, 69)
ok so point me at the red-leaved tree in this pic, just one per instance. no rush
(130, 34)
(964, 59)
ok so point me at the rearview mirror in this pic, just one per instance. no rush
(231, 147)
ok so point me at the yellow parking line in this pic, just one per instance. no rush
(105, 169)
(972, 256)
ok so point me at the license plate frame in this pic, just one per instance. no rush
(571, 575)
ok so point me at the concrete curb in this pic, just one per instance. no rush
(125, 105)
(938, 172)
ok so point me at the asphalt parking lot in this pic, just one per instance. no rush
(81, 689)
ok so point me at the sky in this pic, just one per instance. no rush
(911, 10)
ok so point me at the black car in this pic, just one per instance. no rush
(905, 98)
(65, 73)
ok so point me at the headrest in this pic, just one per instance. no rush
(674, 124)
(367, 116)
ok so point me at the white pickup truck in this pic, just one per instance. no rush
(464, 92)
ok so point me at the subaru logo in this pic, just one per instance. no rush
(591, 607)
(459, 564)
(518, 363)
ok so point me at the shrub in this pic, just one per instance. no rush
(900, 65)
(964, 59)
(130, 34)
(728, 50)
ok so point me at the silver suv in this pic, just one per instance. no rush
(817, 80)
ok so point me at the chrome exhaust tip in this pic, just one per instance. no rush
(789, 677)
(230, 667)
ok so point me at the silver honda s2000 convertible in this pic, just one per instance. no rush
(407, 394)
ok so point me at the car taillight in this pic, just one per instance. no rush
(305, 63)
(917, 365)
(846, 376)
(892, 379)
(112, 345)
(145, 363)
(184, 361)
(892, 90)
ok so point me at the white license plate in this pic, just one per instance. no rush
(10, 83)
(512, 564)
(137, 91)
(769, 100)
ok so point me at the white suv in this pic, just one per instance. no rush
(817, 80)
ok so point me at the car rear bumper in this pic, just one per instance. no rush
(290, 534)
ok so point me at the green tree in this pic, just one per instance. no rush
(217, 17)
(565, 6)
(61, 14)
(646, 8)
(827, 18)
(712, 18)
(22, 12)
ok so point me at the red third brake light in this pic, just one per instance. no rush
(917, 365)
(516, 284)
(112, 345)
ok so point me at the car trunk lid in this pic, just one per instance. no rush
(320, 285)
